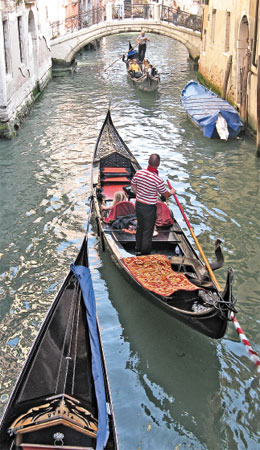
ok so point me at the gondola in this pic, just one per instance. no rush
(147, 81)
(173, 276)
(62, 397)
(214, 116)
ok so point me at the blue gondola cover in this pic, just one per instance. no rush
(83, 275)
(204, 106)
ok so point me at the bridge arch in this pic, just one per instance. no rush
(64, 48)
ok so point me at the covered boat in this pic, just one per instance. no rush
(62, 397)
(213, 115)
(173, 276)
(148, 79)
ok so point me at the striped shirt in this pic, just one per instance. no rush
(142, 39)
(148, 186)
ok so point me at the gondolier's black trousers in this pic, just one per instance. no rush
(146, 217)
(141, 52)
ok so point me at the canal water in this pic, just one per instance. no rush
(172, 388)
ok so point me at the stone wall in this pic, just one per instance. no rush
(228, 30)
(25, 61)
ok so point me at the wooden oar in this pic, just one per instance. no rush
(196, 241)
(119, 58)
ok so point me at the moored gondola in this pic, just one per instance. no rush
(148, 79)
(173, 276)
(62, 397)
(213, 115)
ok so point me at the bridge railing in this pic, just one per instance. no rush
(77, 22)
(181, 18)
(135, 11)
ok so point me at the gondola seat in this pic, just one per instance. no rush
(120, 209)
(115, 174)
(114, 179)
(119, 180)
(108, 190)
(114, 171)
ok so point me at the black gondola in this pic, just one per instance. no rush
(54, 402)
(201, 307)
(149, 80)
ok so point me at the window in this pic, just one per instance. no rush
(227, 33)
(6, 47)
(213, 25)
(20, 37)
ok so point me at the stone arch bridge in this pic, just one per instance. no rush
(75, 33)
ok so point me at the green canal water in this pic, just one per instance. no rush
(172, 388)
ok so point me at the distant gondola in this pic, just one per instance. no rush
(147, 81)
(61, 397)
(173, 277)
(213, 115)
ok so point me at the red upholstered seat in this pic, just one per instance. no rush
(117, 180)
(120, 209)
(110, 189)
(115, 170)
(164, 218)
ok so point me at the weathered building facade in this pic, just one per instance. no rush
(229, 52)
(25, 59)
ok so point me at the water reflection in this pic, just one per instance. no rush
(176, 392)
(178, 388)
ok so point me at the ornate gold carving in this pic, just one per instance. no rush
(61, 410)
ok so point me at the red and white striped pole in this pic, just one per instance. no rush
(253, 355)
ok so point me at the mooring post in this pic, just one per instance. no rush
(258, 109)
(227, 73)
(244, 99)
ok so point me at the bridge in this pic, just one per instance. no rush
(69, 36)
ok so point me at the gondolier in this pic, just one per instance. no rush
(147, 185)
(141, 41)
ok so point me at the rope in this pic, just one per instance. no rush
(253, 355)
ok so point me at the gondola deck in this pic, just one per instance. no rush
(204, 309)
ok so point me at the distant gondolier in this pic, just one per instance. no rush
(141, 41)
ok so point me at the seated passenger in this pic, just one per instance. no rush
(164, 217)
(120, 207)
(119, 196)
(135, 69)
(150, 70)
(145, 65)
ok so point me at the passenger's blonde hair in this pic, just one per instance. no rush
(119, 196)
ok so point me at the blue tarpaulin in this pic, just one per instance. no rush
(83, 275)
(204, 106)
